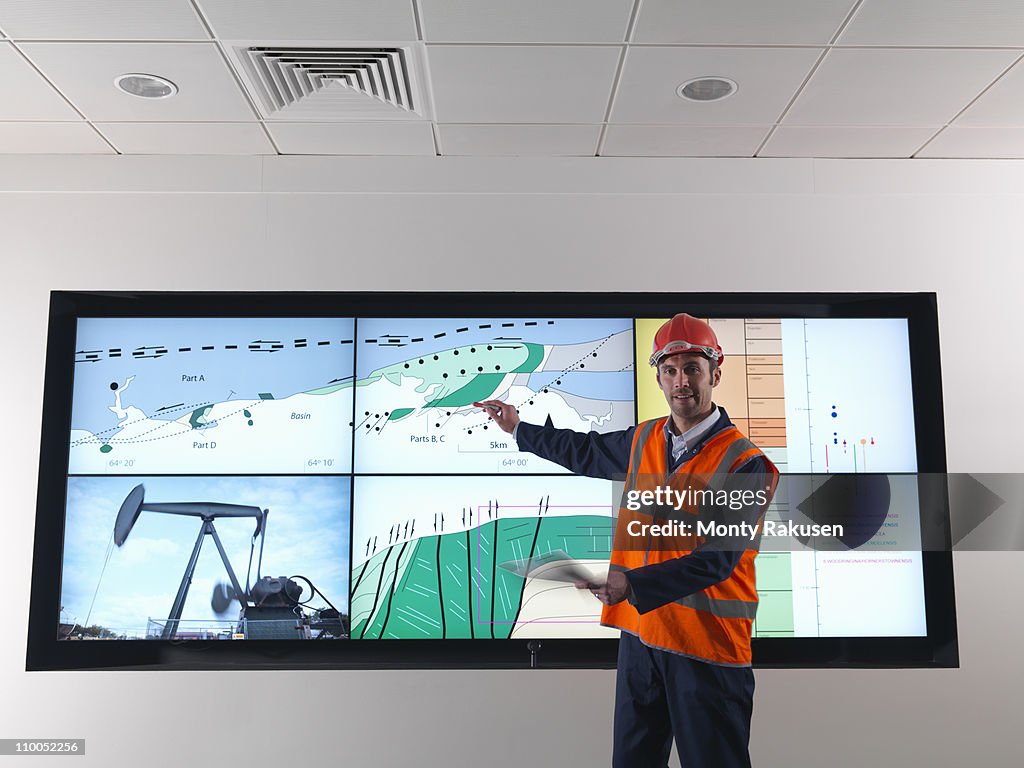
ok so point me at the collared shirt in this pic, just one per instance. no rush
(680, 445)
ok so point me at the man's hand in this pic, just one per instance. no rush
(613, 591)
(502, 414)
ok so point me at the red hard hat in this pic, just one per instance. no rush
(685, 333)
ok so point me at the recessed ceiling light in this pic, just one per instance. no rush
(145, 86)
(707, 89)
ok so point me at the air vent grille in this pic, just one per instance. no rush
(328, 82)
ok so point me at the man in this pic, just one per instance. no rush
(685, 610)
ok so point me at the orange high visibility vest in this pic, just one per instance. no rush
(711, 625)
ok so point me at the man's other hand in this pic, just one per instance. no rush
(613, 591)
(502, 414)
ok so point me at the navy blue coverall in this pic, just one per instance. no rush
(706, 706)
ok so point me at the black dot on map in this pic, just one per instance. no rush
(497, 367)
(582, 366)
(113, 385)
(435, 357)
(406, 365)
(469, 431)
(463, 370)
(472, 349)
(444, 375)
(421, 362)
(456, 352)
(489, 347)
(479, 367)
(447, 413)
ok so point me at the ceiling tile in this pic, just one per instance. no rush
(936, 22)
(521, 84)
(847, 140)
(51, 139)
(85, 73)
(27, 95)
(683, 140)
(767, 79)
(738, 22)
(188, 138)
(101, 19)
(353, 138)
(1002, 104)
(549, 140)
(525, 21)
(352, 20)
(895, 87)
(967, 141)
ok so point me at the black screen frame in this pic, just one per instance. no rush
(45, 652)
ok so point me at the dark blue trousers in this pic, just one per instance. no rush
(659, 694)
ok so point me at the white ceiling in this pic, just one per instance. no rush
(817, 78)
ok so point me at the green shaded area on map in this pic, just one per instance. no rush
(451, 585)
(198, 417)
(461, 376)
(480, 387)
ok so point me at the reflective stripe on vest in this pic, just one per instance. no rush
(640, 438)
(727, 609)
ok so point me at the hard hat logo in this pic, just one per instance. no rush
(685, 333)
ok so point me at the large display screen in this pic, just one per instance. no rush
(290, 477)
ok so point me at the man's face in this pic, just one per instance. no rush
(687, 381)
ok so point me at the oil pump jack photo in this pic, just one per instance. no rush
(264, 608)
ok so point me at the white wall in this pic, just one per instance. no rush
(566, 225)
